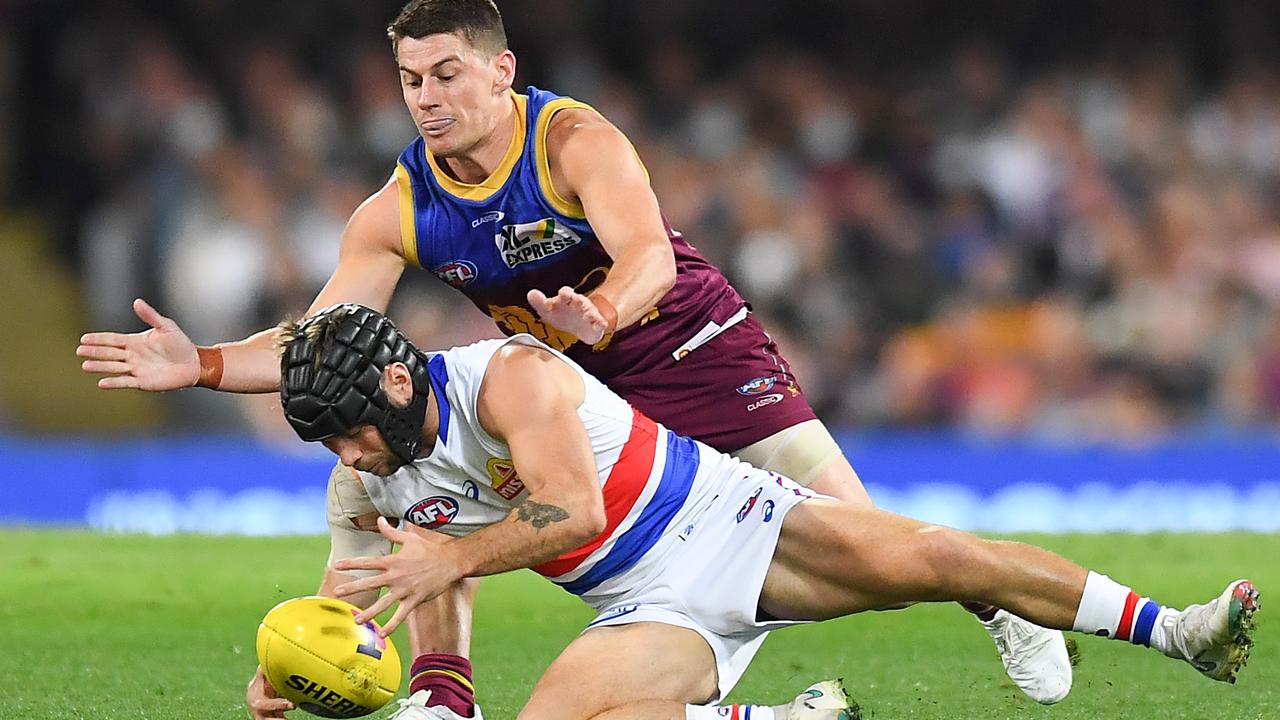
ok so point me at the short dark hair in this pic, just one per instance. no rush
(477, 21)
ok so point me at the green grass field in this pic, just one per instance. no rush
(102, 627)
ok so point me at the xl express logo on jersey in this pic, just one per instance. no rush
(526, 242)
(432, 512)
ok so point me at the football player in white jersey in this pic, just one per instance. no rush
(689, 556)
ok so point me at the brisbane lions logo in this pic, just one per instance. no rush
(527, 242)
(432, 512)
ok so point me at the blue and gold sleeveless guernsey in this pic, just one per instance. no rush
(512, 233)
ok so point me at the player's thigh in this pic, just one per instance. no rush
(608, 667)
(836, 558)
(841, 481)
(806, 453)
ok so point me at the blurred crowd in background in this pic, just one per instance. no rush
(1059, 221)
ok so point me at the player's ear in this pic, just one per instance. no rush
(397, 382)
(504, 66)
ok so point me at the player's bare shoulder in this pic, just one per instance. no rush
(525, 381)
(579, 139)
(374, 226)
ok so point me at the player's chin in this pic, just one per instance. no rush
(390, 466)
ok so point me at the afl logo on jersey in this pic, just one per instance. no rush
(457, 272)
(432, 512)
(527, 242)
(759, 386)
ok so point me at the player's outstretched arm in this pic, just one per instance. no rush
(164, 358)
(599, 168)
(529, 400)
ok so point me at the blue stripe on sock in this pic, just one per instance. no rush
(1146, 622)
(747, 716)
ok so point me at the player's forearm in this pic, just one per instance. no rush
(251, 365)
(641, 275)
(534, 533)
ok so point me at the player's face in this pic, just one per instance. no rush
(454, 92)
(364, 449)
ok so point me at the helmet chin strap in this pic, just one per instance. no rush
(402, 427)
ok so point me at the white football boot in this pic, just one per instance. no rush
(1036, 658)
(1215, 637)
(415, 707)
(826, 700)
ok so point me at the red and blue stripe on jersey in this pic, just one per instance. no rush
(646, 487)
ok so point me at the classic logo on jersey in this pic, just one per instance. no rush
(457, 272)
(494, 216)
(503, 476)
(766, 510)
(432, 512)
(766, 400)
(527, 242)
(750, 503)
(759, 386)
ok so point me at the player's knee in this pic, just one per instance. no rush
(535, 710)
(955, 563)
(545, 706)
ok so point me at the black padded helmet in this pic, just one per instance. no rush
(331, 378)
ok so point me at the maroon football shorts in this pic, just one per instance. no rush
(732, 391)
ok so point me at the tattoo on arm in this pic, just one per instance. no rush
(539, 514)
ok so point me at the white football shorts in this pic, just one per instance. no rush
(711, 582)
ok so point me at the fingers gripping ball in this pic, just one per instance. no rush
(314, 654)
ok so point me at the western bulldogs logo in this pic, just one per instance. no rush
(527, 242)
(432, 512)
(457, 272)
(503, 477)
(750, 503)
(759, 386)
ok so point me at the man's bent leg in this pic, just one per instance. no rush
(655, 671)
(612, 667)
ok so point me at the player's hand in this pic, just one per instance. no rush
(416, 574)
(263, 702)
(162, 358)
(571, 312)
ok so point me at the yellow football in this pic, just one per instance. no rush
(313, 653)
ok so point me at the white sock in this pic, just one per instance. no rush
(1112, 610)
(731, 712)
